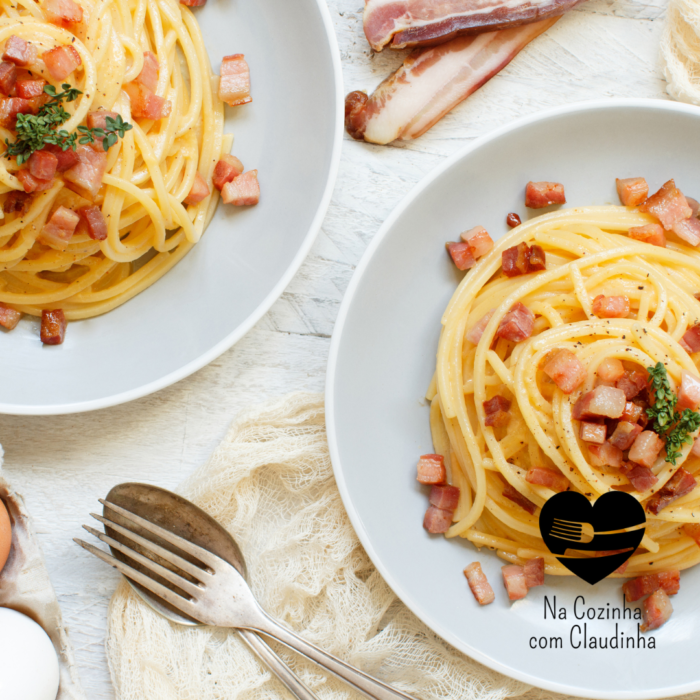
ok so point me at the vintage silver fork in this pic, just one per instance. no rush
(216, 594)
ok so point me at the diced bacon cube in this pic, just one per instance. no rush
(514, 580)
(514, 495)
(478, 583)
(690, 341)
(513, 220)
(53, 327)
(633, 412)
(689, 393)
(20, 52)
(199, 192)
(149, 73)
(642, 478)
(679, 485)
(605, 455)
(66, 159)
(601, 402)
(227, 168)
(565, 370)
(42, 165)
(550, 478)
(632, 383)
(8, 77)
(234, 86)
(431, 469)
(479, 241)
(30, 183)
(9, 318)
(692, 530)
(477, 330)
(62, 12)
(437, 520)
(445, 497)
(632, 190)
(496, 410)
(611, 307)
(243, 190)
(536, 260)
(10, 107)
(517, 324)
(27, 89)
(656, 611)
(98, 120)
(60, 228)
(625, 434)
(668, 205)
(534, 572)
(542, 194)
(649, 233)
(610, 370)
(86, 175)
(688, 230)
(592, 432)
(646, 448)
(95, 221)
(667, 581)
(145, 104)
(61, 61)
(515, 261)
(461, 254)
(15, 201)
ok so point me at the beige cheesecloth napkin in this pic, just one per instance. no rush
(270, 484)
(680, 50)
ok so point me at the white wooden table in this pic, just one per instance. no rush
(62, 464)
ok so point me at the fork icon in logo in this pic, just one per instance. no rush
(581, 532)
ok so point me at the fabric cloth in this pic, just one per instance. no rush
(25, 586)
(271, 485)
(680, 50)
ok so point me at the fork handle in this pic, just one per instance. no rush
(285, 674)
(361, 681)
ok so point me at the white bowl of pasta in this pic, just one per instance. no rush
(153, 273)
(408, 305)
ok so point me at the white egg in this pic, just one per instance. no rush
(28, 660)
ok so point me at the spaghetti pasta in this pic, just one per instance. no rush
(588, 254)
(149, 172)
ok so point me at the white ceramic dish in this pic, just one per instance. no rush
(382, 359)
(291, 132)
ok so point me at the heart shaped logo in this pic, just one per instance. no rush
(569, 521)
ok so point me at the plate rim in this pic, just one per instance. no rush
(241, 330)
(330, 396)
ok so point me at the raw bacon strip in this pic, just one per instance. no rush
(479, 584)
(668, 205)
(632, 190)
(461, 254)
(61, 61)
(234, 87)
(199, 192)
(592, 432)
(610, 370)
(601, 402)
(605, 455)
(515, 581)
(680, 484)
(242, 191)
(517, 324)
(496, 410)
(534, 572)
(544, 194)
(656, 610)
(407, 23)
(53, 327)
(437, 520)
(514, 495)
(19, 52)
(476, 331)
(689, 393)
(611, 307)
(624, 434)
(431, 82)
(96, 223)
(541, 476)
(667, 581)
(431, 470)
(60, 228)
(479, 241)
(445, 497)
(690, 341)
(650, 233)
(565, 370)
(9, 318)
(227, 169)
(642, 478)
(646, 448)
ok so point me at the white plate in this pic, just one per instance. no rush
(291, 132)
(382, 359)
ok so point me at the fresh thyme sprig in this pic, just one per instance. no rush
(35, 131)
(673, 427)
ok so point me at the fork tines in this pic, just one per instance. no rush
(567, 525)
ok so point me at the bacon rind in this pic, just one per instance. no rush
(433, 81)
(409, 23)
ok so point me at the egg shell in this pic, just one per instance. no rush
(28, 662)
(5, 535)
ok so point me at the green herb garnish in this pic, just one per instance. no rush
(34, 131)
(675, 428)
